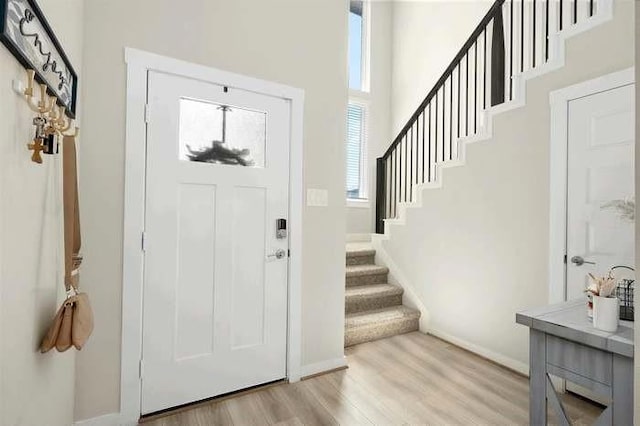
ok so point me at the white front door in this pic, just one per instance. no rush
(215, 294)
(600, 233)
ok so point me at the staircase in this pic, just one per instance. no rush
(373, 307)
(446, 241)
(515, 42)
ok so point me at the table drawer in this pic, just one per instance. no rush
(580, 359)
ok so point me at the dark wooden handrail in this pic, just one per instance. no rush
(496, 9)
(512, 38)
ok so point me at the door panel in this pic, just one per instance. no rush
(215, 303)
(247, 321)
(600, 171)
(196, 260)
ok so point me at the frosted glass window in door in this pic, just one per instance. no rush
(222, 134)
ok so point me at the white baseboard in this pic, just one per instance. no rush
(412, 300)
(323, 366)
(112, 419)
(510, 363)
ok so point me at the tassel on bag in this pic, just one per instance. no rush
(73, 322)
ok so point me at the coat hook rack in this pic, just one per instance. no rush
(50, 122)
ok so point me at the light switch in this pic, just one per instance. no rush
(317, 197)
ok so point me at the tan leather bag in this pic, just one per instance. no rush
(73, 322)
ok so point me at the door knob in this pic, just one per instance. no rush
(279, 254)
(579, 261)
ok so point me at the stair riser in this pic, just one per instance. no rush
(360, 260)
(366, 279)
(379, 331)
(362, 304)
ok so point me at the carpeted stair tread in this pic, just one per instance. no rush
(371, 297)
(360, 254)
(364, 270)
(373, 307)
(373, 325)
(366, 274)
(380, 316)
(373, 290)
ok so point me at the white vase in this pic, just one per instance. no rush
(606, 311)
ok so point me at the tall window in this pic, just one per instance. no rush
(356, 45)
(356, 131)
(358, 101)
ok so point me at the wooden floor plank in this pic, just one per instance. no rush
(246, 410)
(462, 383)
(275, 411)
(407, 379)
(434, 379)
(302, 402)
(373, 407)
(340, 407)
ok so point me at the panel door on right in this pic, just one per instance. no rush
(601, 185)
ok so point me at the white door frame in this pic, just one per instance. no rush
(139, 64)
(559, 100)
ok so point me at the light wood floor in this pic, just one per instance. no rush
(407, 379)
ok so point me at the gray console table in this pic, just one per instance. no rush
(564, 343)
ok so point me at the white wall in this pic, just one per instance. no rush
(477, 251)
(426, 37)
(35, 389)
(302, 43)
(412, 42)
(361, 220)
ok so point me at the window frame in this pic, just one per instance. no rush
(365, 59)
(362, 98)
(363, 200)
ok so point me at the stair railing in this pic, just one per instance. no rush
(513, 37)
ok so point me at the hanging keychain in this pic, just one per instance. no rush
(37, 146)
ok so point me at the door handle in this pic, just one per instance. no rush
(279, 254)
(579, 261)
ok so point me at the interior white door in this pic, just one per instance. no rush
(600, 235)
(215, 294)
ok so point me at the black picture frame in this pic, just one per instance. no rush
(25, 61)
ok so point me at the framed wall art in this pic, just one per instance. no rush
(25, 31)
